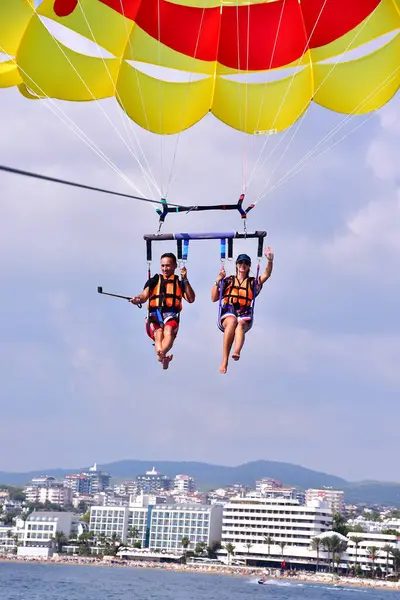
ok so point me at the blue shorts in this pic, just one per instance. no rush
(242, 314)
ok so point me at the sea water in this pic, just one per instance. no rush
(24, 581)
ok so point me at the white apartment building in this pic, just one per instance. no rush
(126, 488)
(184, 483)
(198, 523)
(359, 549)
(335, 498)
(48, 489)
(57, 494)
(273, 528)
(41, 527)
(7, 539)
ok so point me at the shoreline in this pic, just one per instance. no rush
(249, 572)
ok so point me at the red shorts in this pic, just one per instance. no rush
(153, 324)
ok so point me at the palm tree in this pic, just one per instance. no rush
(230, 548)
(9, 535)
(339, 546)
(133, 533)
(60, 540)
(333, 545)
(282, 545)
(373, 555)
(357, 541)
(185, 543)
(200, 547)
(212, 549)
(268, 540)
(387, 548)
(248, 546)
(395, 552)
(327, 546)
(316, 543)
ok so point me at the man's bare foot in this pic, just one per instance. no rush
(224, 367)
(166, 361)
(236, 356)
(160, 355)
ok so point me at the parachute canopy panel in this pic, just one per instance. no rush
(185, 58)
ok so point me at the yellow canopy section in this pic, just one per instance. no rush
(362, 85)
(14, 18)
(166, 91)
(9, 75)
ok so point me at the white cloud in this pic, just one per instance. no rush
(85, 360)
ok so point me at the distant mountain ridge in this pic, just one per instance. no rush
(214, 476)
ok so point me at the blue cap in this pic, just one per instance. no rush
(244, 257)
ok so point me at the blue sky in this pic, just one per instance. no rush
(318, 383)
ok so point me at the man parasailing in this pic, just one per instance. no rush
(165, 292)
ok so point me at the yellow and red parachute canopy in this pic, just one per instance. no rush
(216, 53)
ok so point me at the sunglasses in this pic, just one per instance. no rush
(243, 262)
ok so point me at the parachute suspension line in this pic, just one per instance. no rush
(239, 93)
(77, 130)
(301, 120)
(174, 177)
(97, 103)
(256, 167)
(332, 132)
(246, 88)
(144, 108)
(252, 174)
(185, 104)
(160, 99)
(304, 162)
(141, 96)
(128, 128)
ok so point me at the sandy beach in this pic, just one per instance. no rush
(270, 574)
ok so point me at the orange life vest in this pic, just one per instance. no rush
(166, 294)
(239, 293)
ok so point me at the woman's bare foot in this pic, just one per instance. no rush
(166, 361)
(224, 367)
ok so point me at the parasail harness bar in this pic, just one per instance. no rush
(176, 209)
(182, 240)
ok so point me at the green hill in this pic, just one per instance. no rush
(213, 476)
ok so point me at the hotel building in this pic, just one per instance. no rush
(157, 524)
(273, 528)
